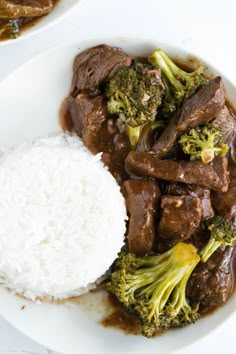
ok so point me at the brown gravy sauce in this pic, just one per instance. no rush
(117, 318)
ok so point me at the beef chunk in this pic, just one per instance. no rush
(232, 145)
(16, 9)
(213, 175)
(99, 134)
(225, 122)
(115, 163)
(211, 283)
(142, 198)
(89, 117)
(198, 109)
(195, 191)
(114, 157)
(225, 203)
(181, 216)
(96, 65)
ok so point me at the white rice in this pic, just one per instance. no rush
(62, 218)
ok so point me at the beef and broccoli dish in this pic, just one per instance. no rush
(15, 15)
(168, 137)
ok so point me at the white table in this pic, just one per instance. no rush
(205, 27)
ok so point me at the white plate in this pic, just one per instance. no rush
(29, 101)
(62, 8)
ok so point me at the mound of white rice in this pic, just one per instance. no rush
(62, 218)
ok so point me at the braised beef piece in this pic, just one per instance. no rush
(89, 117)
(180, 217)
(225, 203)
(94, 66)
(212, 283)
(114, 157)
(115, 161)
(196, 191)
(225, 122)
(141, 198)
(232, 154)
(212, 176)
(24, 8)
(198, 109)
(100, 134)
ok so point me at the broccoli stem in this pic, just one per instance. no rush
(179, 85)
(140, 137)
(134, 134)
(178, 309)
(223, 234)
(209, 249)
(167, 66)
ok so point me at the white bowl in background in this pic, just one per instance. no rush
(29, 102)
(62, 8)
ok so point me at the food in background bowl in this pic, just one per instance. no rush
(168, 137)
(17, 16)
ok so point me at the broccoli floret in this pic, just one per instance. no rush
(135, 93)
(203, 143)
(10, 29)
(223, 234)
(179, 84)
(153, 287)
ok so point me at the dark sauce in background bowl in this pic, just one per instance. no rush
(20, 25)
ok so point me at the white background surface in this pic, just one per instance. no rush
(205, 27)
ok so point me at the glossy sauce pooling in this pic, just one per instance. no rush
(119, 319)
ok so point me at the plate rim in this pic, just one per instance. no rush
(93, 41)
